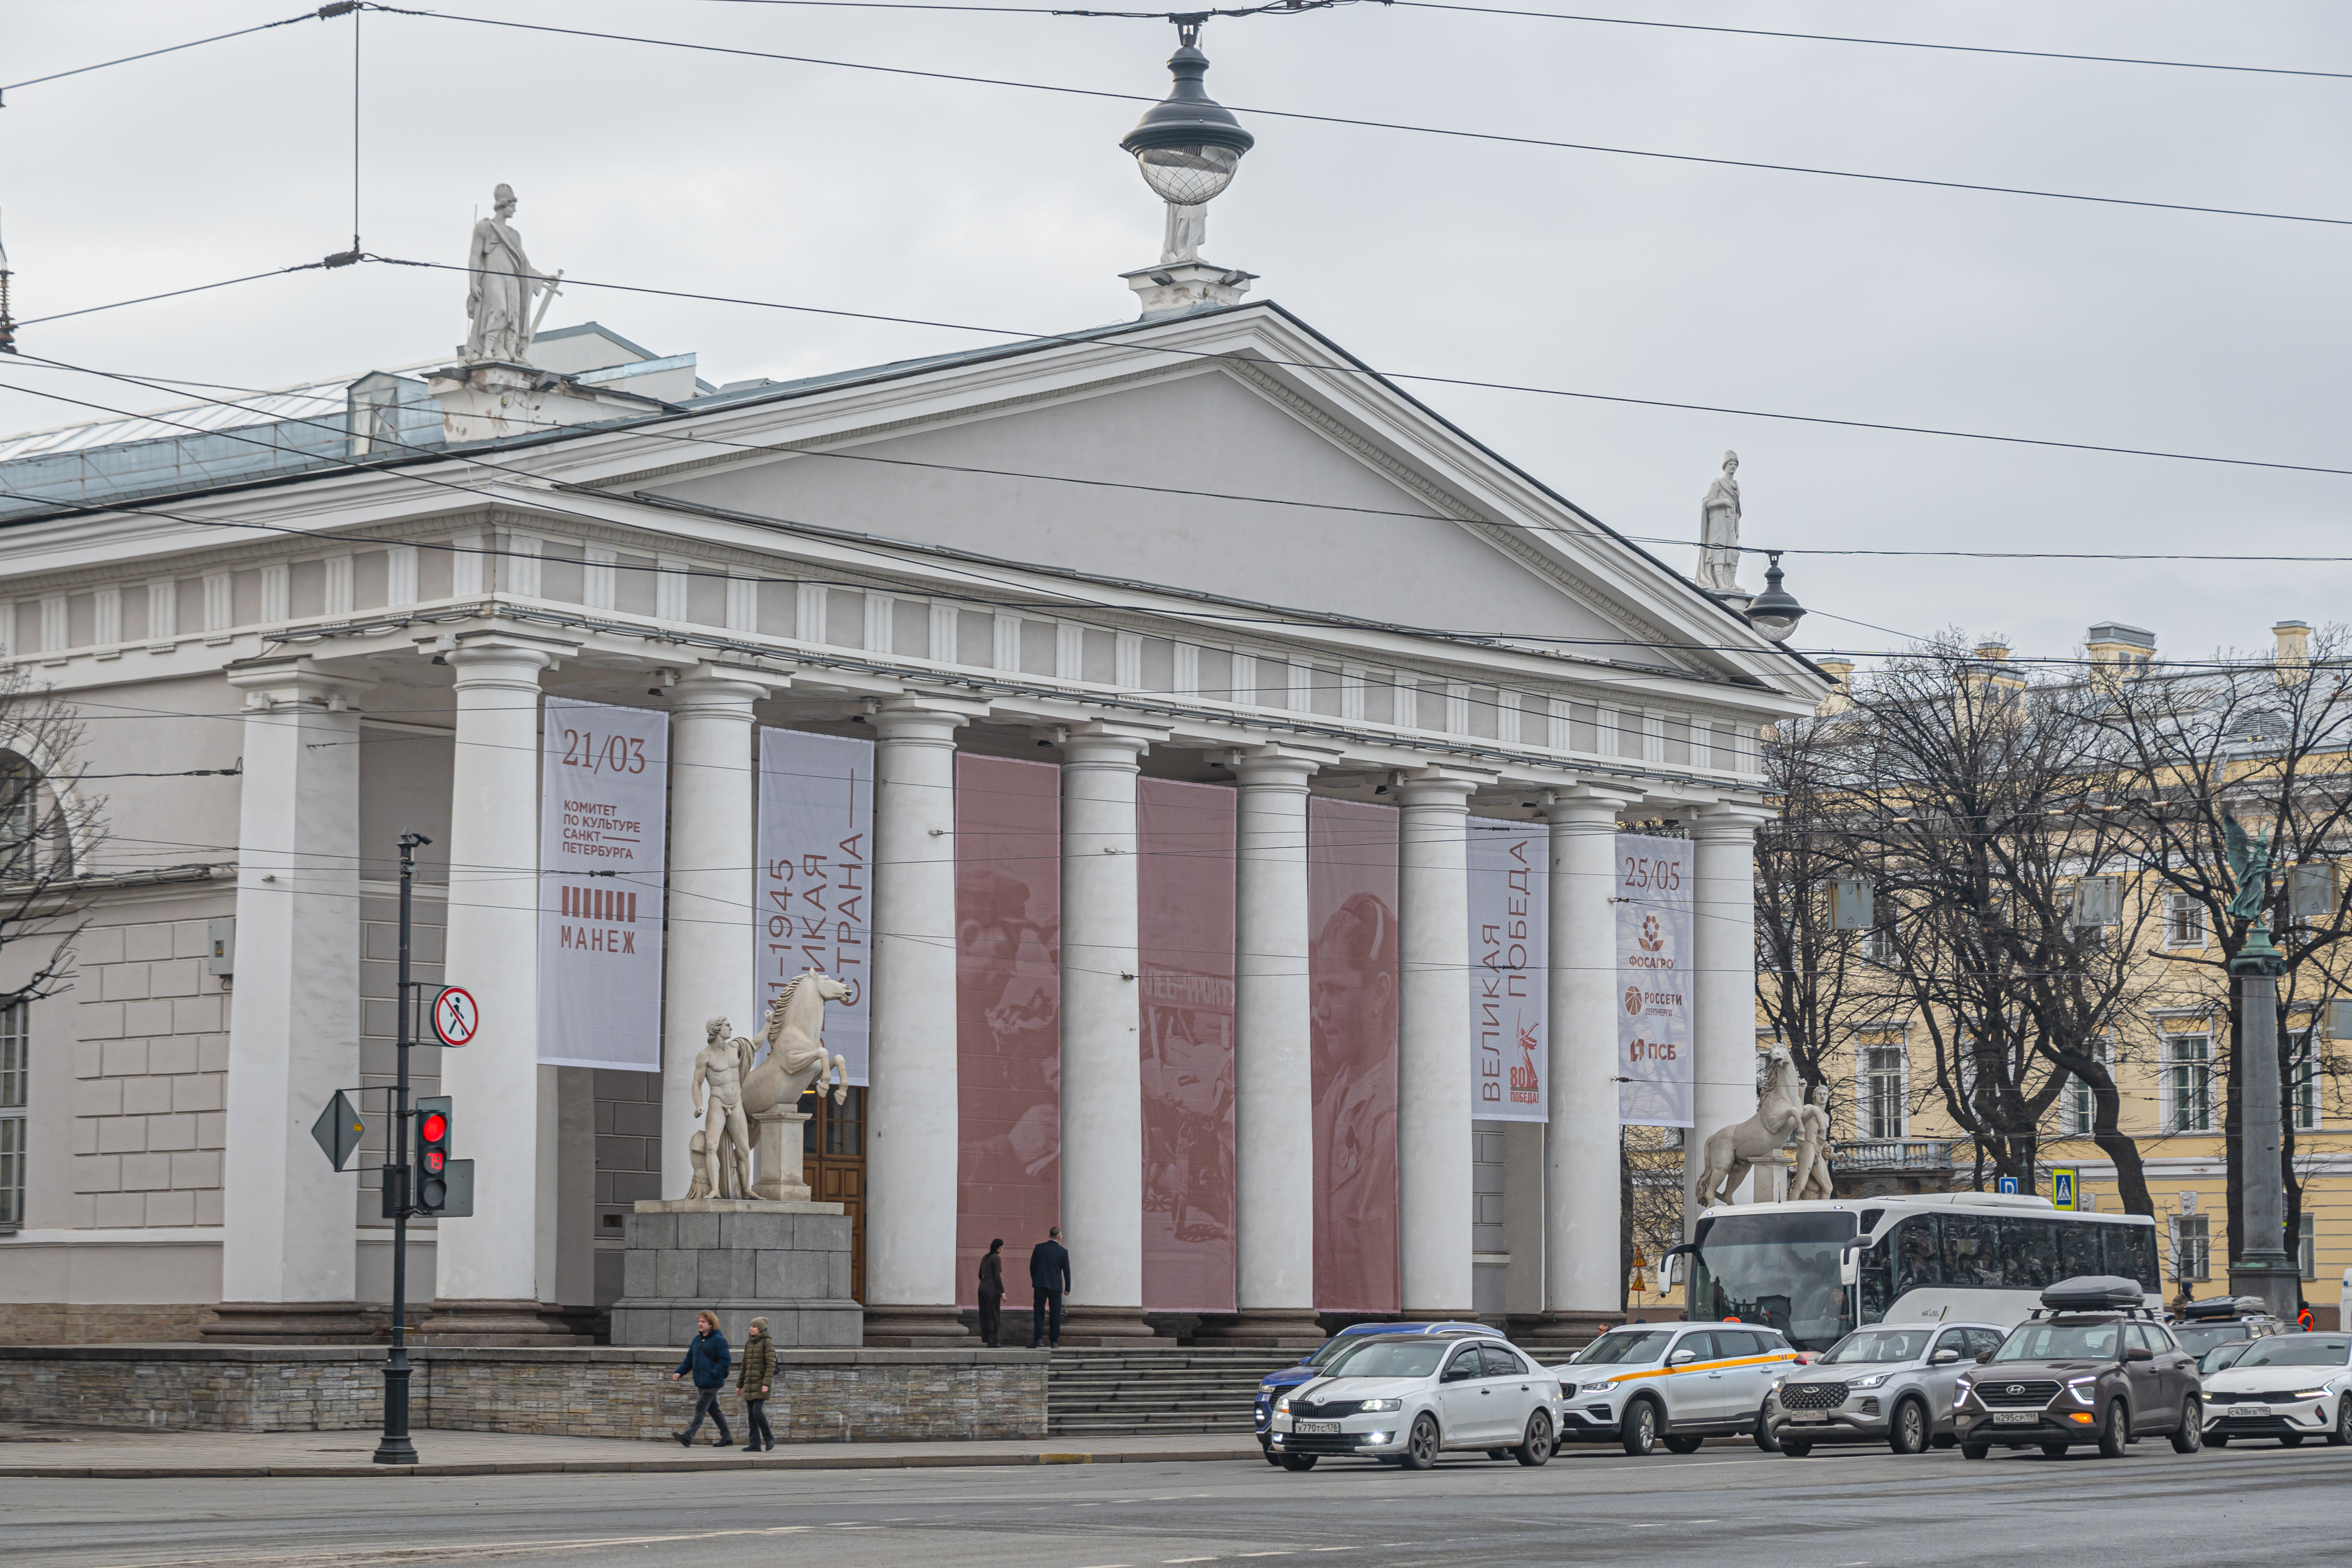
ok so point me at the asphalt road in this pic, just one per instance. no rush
(2244, 1507)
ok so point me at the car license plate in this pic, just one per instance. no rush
(2250, 1410)
(2016, 1417)
(1810, 1418)
(1306, 1428)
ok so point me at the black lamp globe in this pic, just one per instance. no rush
(1188, 146)
(1775, 612)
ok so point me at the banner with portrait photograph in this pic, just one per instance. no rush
(1184, 936)
(814, 877)
(1351, 970)
(1655, 882)
(1509, 972)
(1008, 1014)
(603, 836)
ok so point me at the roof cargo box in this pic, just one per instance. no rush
(2094, 1293)
(2226, 1307)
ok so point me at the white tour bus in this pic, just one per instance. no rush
(1817, 1271)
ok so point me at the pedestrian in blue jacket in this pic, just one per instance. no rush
(708, 1359)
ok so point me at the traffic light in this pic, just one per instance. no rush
(432, 1113)
(444, 1186)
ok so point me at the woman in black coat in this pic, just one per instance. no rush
(991, 1294)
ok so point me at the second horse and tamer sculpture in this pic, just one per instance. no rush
(739, 1093)
(1787, 1129)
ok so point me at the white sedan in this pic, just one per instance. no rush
(2287, 1386)
(1402, 1399)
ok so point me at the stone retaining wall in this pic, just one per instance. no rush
(863, 1395)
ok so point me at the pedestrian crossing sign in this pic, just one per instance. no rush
(2061, 1187)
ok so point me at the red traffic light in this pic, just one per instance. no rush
(436, 1127)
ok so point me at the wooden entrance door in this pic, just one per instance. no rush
(833, 1164)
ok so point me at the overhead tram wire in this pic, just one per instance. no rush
(1106, 335)
(1489, 136)
(322, 14)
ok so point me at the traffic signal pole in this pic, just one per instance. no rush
(395, 1448)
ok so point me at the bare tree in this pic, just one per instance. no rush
(44, 830)
(1650, 1198)
(1973, 799)
(2265, 741)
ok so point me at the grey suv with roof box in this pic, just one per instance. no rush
(2091, 1365)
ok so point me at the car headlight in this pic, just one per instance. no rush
(2310, 1394)
(1282, 1406)
(1871, 1382)
(1373, 1406)
(2083, 1389)
(1960, 1392)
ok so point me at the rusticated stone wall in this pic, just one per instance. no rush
(837, 1396)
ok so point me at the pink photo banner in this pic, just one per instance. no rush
(1352, 900)
(1008, 1016)
(1184, 878)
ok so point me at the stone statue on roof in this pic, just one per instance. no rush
(1718, 532)
(500, 281)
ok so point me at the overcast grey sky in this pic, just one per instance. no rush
(1015, 209)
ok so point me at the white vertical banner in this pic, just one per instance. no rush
(1509, 1028)
(814, 876)
(602, 838)
(1656, 878)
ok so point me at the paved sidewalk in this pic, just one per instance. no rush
(54, 1452)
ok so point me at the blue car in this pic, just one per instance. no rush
(1310, 1366)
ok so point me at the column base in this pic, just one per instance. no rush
(1107, 1328)
(514, 1324)
(1267, 1327)
(1565, 1329)
(2280, 1285)
(296, 1323)
(918, 1328)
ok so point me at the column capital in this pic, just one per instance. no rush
(1442, 786)
(924, 718)
(1104, 749)
(1586, 803)
(1277, 766)
(294, 680)
(716, 691)
(1730, 820)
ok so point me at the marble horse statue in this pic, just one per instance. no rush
(1733, 1152)
(796, 1060)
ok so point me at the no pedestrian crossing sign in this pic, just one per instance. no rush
(2061, 1187)
(455, 1016)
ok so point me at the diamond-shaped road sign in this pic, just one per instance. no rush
(338, 1130)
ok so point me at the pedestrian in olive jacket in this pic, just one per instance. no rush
(754, 1375)
(707, 1357)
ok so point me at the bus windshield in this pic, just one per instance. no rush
(1776, 1268)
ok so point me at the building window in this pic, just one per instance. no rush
(2081, 1108)
(2302, 1080)
(1878, 943)
(2192, 1256)
(2184, 920)
(2189, 1084)
(2306, 1247)
(15, 1082)
(1881, 1092)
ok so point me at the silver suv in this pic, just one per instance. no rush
(1883, 1384)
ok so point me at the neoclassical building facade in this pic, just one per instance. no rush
(1192, 658)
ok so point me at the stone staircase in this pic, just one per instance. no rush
(1115, 1393)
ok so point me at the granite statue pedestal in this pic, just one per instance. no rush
(738, 1259)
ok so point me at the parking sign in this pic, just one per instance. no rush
(2006, 1184)
(2061, 1187)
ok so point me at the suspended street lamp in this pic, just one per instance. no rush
(1187, 147)
(1775, 612)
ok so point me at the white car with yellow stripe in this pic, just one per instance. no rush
(1675, 1383)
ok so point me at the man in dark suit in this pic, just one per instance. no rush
(1049, 1276)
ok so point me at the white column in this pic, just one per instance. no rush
(1102, 1078)
(287, 1231)
(1723, 1021)
(1434, 1054)
(486, 1267)
(1273, 1068)
(1581, 1175)
(709, 953)
(911, 1110)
